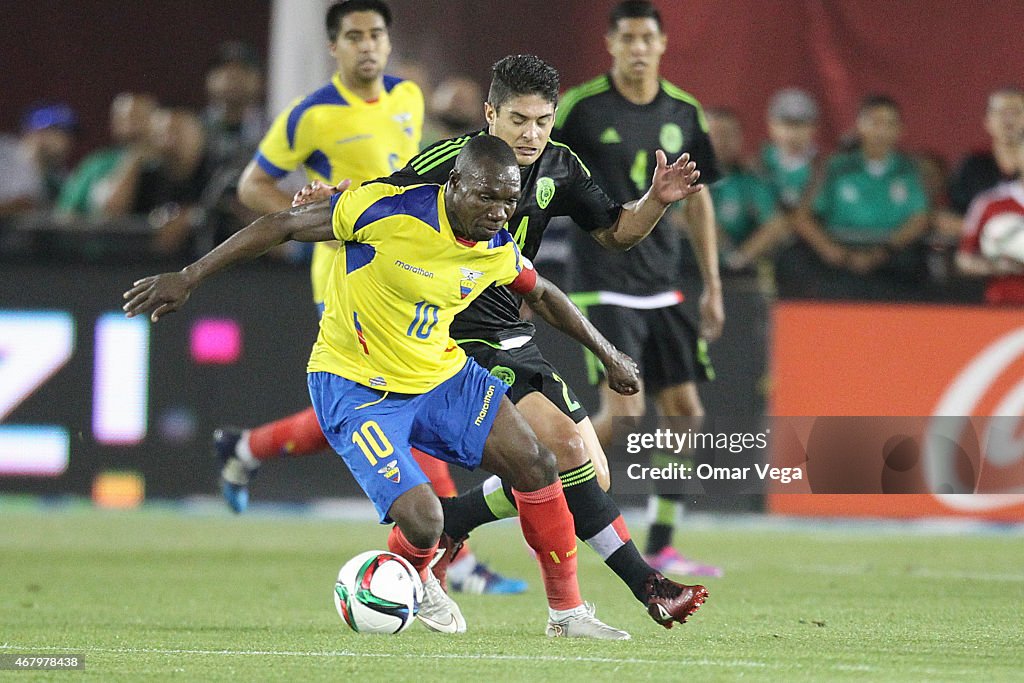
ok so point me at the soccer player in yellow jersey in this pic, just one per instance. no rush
(385, 375)
(362, 125)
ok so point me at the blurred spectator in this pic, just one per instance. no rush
(234, 121)
(1004, 122)
(233, 117)
(165, 179)
(87, 191)
(932, 168)
(981, 254)
(869, 215)
(944, 225)
(34, 165)
(456, 107)
(748, 216)
(790, 161)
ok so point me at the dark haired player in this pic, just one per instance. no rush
(385, 374)
(616, 123)
(520, 109)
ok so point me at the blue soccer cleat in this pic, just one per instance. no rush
(234, 474)
(482, 580)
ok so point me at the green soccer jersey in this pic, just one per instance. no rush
(787, 178)
(77, 194)
(863, 202)
(743, 203)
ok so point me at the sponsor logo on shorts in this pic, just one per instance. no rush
(486, 406)
(391, 472)
(506, 375)
(378, 382)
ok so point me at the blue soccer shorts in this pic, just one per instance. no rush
(373, 430)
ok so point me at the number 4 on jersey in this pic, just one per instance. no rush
(638, 172)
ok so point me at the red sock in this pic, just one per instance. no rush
(444, 486)
(418, 557)
(297, 434)
(548, 529)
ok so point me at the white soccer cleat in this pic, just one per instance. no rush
(581, 623)
(438, 611)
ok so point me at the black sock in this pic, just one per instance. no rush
(599, 524)
(658, 538)
(485, 503)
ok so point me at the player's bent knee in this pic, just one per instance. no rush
(535, 469)
(419, 515)
(568, 446)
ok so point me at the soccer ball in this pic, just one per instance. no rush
(1003, 235)
(378, 592)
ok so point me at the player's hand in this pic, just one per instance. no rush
(157, 295)
(623, 373)
(317, 191)
(712, 314)
(674, 182)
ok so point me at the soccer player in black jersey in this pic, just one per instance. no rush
(616, 122)
(520, 109)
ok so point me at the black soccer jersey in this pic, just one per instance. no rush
(617, 139)
(557, 184)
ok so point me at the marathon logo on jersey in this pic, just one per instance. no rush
(391, 472)
(415, 270)
(485, 407)
(469, 278)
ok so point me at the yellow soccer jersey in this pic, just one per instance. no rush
(397, 282)
(333, 135)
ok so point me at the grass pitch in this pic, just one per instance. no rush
(165, 595)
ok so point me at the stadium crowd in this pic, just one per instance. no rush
(853, 218)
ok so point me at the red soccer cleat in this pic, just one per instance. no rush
(669, 602)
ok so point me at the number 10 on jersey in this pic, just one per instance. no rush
(423, 320)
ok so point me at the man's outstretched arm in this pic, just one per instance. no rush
(158, 295)
(554, 306)
(670, 183)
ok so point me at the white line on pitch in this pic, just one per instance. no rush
(395, 655)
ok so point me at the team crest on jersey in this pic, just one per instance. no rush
(671, 138)
(506, 375)
(391, 472)
(545, 191)
(405, 121)
(469, 278)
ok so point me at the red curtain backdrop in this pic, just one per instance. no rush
(938, 58)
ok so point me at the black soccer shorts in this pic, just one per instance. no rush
(664, 342)
(526, 371)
